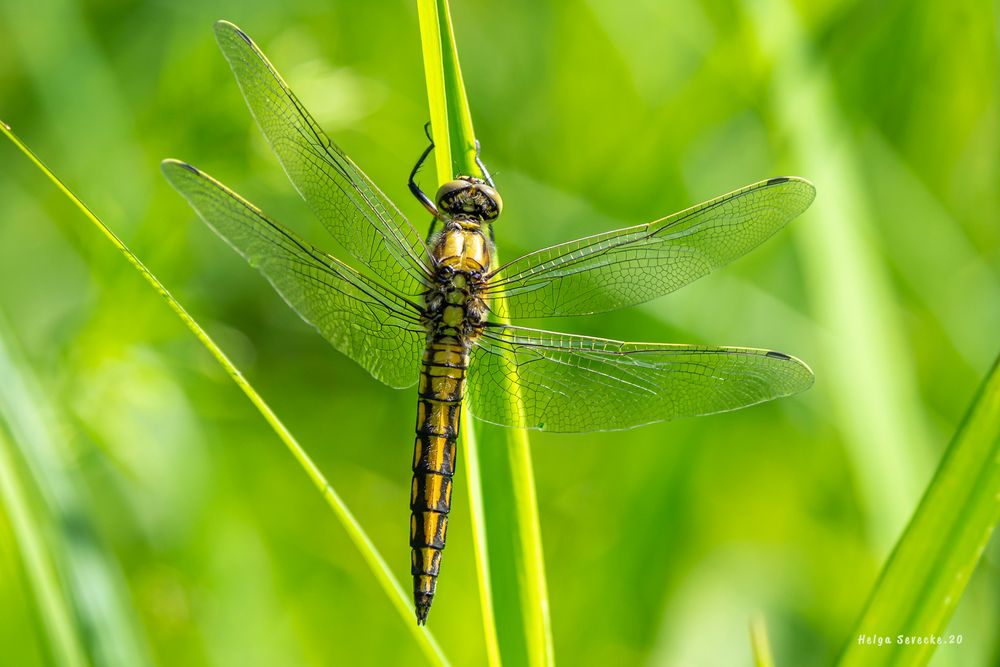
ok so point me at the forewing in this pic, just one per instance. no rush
(636, 264)
(349, 205)
(564, 383)
(375, 326)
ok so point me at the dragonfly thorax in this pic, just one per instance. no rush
(471, 197)
(454, 300)
(455, 306)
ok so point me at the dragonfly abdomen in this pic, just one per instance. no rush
(455, 315)
(439, 406)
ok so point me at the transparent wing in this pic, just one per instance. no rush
(636, 264)
(373, 325)
(349, 205)
(564, 383)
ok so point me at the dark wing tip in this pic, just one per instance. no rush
(797, 181)
(801, 186)
(803, 374)
(171, 163)
(796, 374)
(776, 180)
(223, 26)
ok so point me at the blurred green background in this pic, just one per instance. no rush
(192, 538)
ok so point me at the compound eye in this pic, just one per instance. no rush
(493, 196)
(448, 191)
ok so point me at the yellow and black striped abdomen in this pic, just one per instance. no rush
(439, 406)
(455, 314)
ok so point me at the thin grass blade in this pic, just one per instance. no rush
(399, 599)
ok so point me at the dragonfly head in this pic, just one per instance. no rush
(469, 196)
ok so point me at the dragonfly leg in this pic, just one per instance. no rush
(414, 188)
(482, 167)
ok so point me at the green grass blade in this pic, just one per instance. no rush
(511, 566)
(65, 644)
(520, 598)
(759, 644)
(931, 565)
(451, 121)
(865, 362)
(437, 97)
(62, 553)
(400, 600)
(477, 512)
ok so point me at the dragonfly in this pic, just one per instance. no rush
(437, 311)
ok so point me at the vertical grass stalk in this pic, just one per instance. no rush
(504, 510)
(868, 373)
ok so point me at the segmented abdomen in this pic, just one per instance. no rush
(439, 406)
